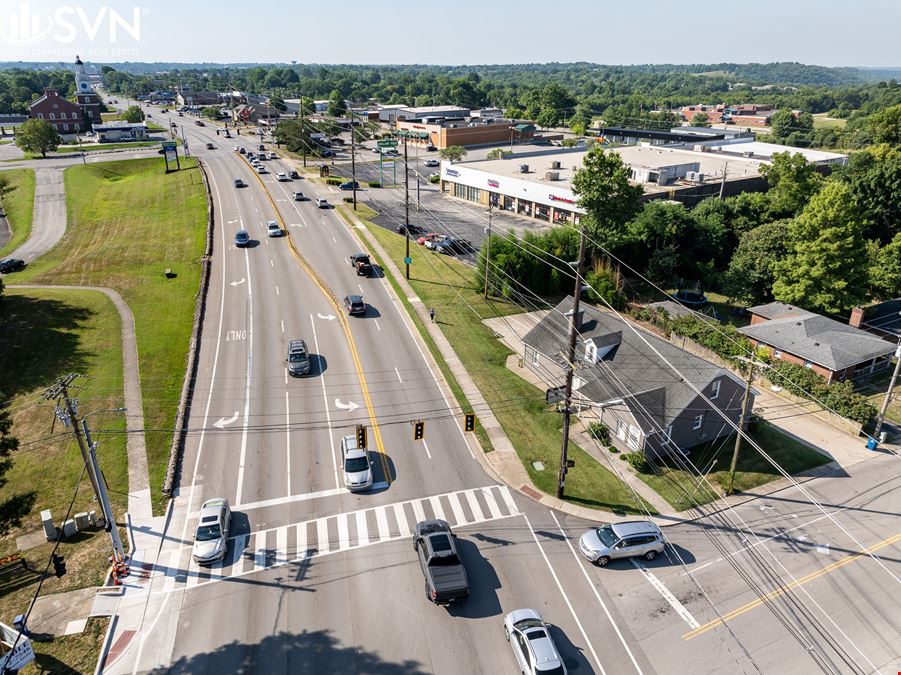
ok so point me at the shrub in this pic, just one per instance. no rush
(805, 383)
(334, 181)
(348, 200)
(599, 432)
(721, 338)
(606, 286)
(374, 184)
(638, 461)
(612, 448)
(434, 179)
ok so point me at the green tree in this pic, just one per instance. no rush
(15, 507)
(133, 114)
(336, 105)
(874, 177)
(700, 119)
(609, 199)
(793, 181)
(782, 123)
(886, 125)
(211, 112)
(885, 271)
(752, 268)
(38, 136)
(278, 102)
(497, 153)
(453, 153)
(827, 268)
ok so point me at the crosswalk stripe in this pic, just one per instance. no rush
(172, 569)
(508, 500)
(474, 506)
(259, 559)
(281, 545)
(301, 550)
(418, 513)
(193, 573)
(457, 508)
(362, 533)
(322, 530)
(492, 505)
(343, 534)
(401, 518)
(437, 508)
(381, 519)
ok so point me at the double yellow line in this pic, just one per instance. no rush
(345, 326)
(782, 590)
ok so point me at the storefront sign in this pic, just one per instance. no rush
(452, 172)
(555, 198)
(493, 183)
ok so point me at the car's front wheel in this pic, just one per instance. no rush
(603, 561)
(650, 555)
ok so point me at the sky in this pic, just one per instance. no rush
(823, 32)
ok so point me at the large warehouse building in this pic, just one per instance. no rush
(538, 184)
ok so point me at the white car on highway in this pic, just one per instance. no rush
(532, 644)
(281, 176)
(273, 229)
(356, 464)
(211, 538)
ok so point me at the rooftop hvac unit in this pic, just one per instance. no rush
(701, 148)
(524, 168)
(747, 153)
(575, 168)
(552, 175)
(555, 165)
(694, 176)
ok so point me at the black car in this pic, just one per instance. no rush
(11, 265)
(298, 358)
(452, 245)
(445, 575)
(411, 228)
(354, 304)
(350, 185)
(261, 147)
(293, 174)
(242, 238)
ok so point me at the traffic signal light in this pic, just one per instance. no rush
(361, 436)
(418, 430)
(469, 422)
(59, 565)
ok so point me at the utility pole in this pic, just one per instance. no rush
(723, 182)
(406, 208)
(353, 159)
(488, 248)
(880, 418)
(571, 365)
(109, 518)
(741, 425)
(303, 142)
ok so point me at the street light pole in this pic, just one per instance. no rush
(880, 419)
(406, 208)
(741, 425)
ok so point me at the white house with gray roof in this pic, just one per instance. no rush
(834, 350)
(623, 381)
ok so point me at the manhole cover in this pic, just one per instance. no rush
(539, 466)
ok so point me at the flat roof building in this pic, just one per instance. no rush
(467, 132)
(111, 132)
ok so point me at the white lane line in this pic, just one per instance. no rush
(328, 416)
(283, 327)
(581, 564)
(426, 446)
(565, 598)
(241, 461)
(361, 289)
(362, 532)
(288, 440)
(399, 378)
(271, 264)
(381, 520)
(334, 240)
(401, 517)
(277, 501)
(377, 324)
(665, 592)
(276, 291)
(286, 376)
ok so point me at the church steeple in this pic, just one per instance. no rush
(82, 81)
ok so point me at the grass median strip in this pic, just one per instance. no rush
(533, 427)
(128, 223)
(18, 204)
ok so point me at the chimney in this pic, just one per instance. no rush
(856, 317)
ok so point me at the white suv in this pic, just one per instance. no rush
(356, 464)
(211, 538)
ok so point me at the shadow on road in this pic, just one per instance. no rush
(483, 584)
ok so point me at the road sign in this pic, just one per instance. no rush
(19, 657)
(408, 261)
(555, 395)
(387, 143)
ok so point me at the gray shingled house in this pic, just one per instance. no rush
(834, 350)
(622, 382)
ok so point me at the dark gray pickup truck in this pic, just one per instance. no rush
(360, 261)
(445, 576)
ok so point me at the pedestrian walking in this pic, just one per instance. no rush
(432, 314)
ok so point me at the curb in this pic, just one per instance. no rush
(107, 644)
(173, 470)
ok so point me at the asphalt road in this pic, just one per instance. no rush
(320, 580)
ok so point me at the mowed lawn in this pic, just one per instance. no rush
(45, 333)
(18, 204)
(533, 427)
(128, 222)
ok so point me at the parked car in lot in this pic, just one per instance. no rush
(409, 227)
(282, 176)
(298, 360)
(432, 162)
(350, 185)
(360, 262)
(211, 537)
(273, 229)
(377, 150)
(353, 304)
(298, 196)
(430, 237)
(239, 183)
(321, 203)
(452, 245)
(11, 265)
(242, 238)
(533, 646)
(430, 148)
(356, 464)
(630, 539)
(445, 576)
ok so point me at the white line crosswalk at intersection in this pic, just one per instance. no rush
(249, 553)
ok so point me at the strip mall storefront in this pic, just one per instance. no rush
(531, 199)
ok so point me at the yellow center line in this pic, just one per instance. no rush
(330, 296)
(782, 590)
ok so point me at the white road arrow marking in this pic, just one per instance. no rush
(231, 222)
(350, 406)
(327, 317)
(238, 283)
(221, 422)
